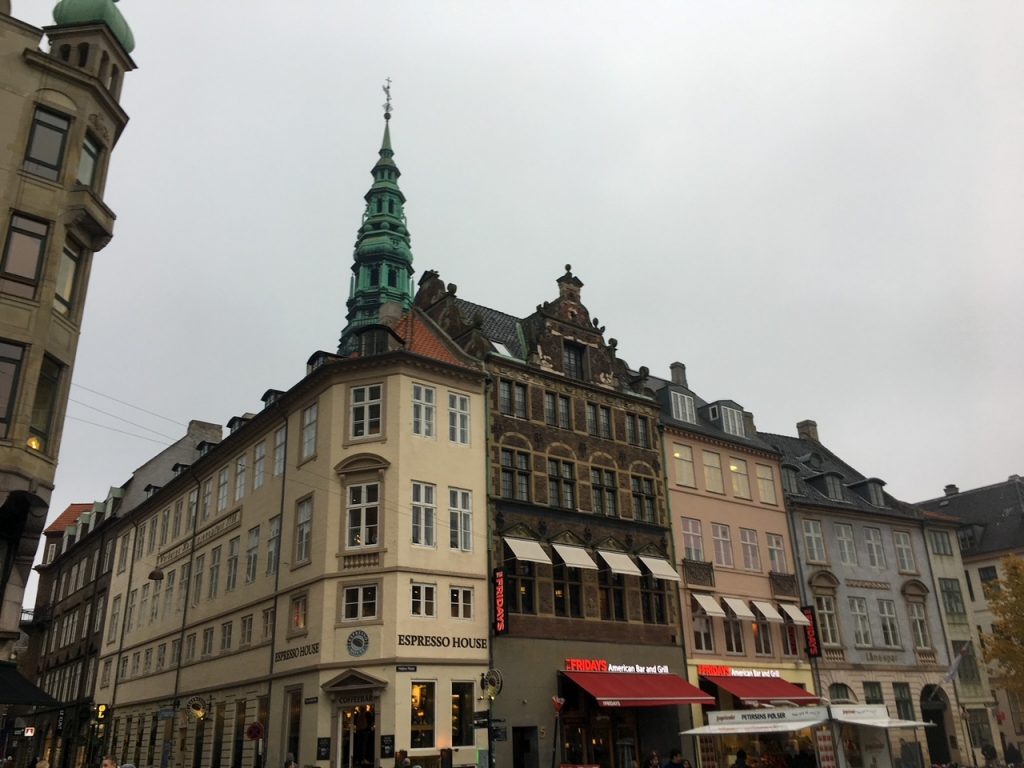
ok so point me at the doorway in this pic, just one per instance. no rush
(935, 709)
(358, 740)
(525, 747)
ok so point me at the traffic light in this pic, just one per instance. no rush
(101, 712)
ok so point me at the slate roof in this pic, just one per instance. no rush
(497, 326)
(663, 388)
(68, 517)
(997, 511)
(811, 459)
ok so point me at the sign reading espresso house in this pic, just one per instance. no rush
(294, 653)
(225, 524)
(442, 641)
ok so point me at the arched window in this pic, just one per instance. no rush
(83, 54)
(65, 53)
(840, 693)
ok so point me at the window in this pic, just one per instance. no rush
(46, 143)
(604, 492)
(834, 487)
(303, 530)
(222, 490)
(424, 515)
(762, 636)
(968, 669)
(682, 408)
(940, 542)
(359, 602)
(88, 161)
(989, 578)
(861, 622)
(273, 544)
(572, 360)
(683, 456)
(644, 508)
(813, 541)
(423, 408)
(105, 676)
(462, 603)
(214, 584)
(423, 600)
(776, 552)
(365, 413)
(568, 591)
(458, 419)
(652, 599)
(186, 574)
(904, 701)
(512, 398)
(460, 519)
(825, 606)
(169, 603)
(115, 615)
(693, 539)
(521, 586)
(611, 591)
(790, 633)
(463, 732)
(733, 631)
(190, 647)
(421, 730)
(279, 451)
(268, 622)
(904, 552)
(307, 442)
(226, 631)
(135, 666)
(703, 636)
(722, 538)
(155, 611)
(751, 551)
(252, 554)
(259, 464)
(713, 473)
(245, 631)
(240, 477)
(45, 402)
(298, 612)
(637, 431)
(873, 693)
(978, 725)
(208, 641)
(165, 526)
(557, 410)
(766, 484)
(233, 547)
(129, 611)
(953, 601)
(515, 475)
(207, 498)
(599, 420)
(845, 543)
(362, 515)
(10, 371)
(919, 625)
(873, 544)
(732, 421)
(740, 480)
(67, 270)
(197, 581)
(790, 481)
(561, 484)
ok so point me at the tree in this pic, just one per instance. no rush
(1005, 646)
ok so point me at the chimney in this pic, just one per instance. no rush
(807, 430)
(951, 490)
(749, 428)
(679, 374)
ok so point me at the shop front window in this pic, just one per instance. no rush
(522, 583)
(421, 723)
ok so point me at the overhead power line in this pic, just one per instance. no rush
(130, 405)
(119, 418)
(114, 429)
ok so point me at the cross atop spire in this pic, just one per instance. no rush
(387, 94)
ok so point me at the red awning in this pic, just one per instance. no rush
(627, 689)
(763, 690)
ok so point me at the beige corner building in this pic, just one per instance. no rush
(60, 119)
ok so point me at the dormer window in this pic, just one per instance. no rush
(374, 342)
(875, 495)
(790, 480)
(682, 408)
(834, 487)
(732, 421)
(967, 538)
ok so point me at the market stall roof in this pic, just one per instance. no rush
(630, 689)
(876, 716)
(780, 727)
(762, 690)
(15, 689)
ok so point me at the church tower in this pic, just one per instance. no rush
(382, 263)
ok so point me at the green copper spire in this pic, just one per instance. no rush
(98, 11)
(382, 263)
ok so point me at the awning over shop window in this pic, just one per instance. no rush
(619, 562)
(575, 557)
(784, 727)
(709, 604)
(527, 549)
(876, 716)
(660, 568)
(628, 689)
(795, 614)
(762, 690)
(768, 611)
(15, 689)
(739, 607)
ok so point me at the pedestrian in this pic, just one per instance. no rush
(42, 763)
(653, 760)
(741, 759)
(675, 759)
(988, 752)
(108, 762)
(1012, 754)
(128, 765)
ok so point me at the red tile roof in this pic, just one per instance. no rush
(422, 338)
(67, 517)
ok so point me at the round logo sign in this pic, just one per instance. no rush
(254, 731)
(358, 643)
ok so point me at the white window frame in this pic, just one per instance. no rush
(814, 542)
(461, 603)
(740, 478)
(874, 547)
(919, 625)
(366, 411)
(303, 530)
(356, 595)
(904, 552)
(682, 408)
(423, 600)
(828, 624)
(766, 484)
(751, 549)
(280, 450)
(713, 479)
(776, 552)
(424, 410)
(693, 539)
(458, 418)
(685, 471)
(721, 535)
(259, 464)
(732, 421)
(890, 624)
(845, 543)
(222, 489)
(424, 514)
(240, 466)
(460, 519)
(861, 622)
(307, 441)
(360, 505)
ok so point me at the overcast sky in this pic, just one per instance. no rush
(816, 206)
